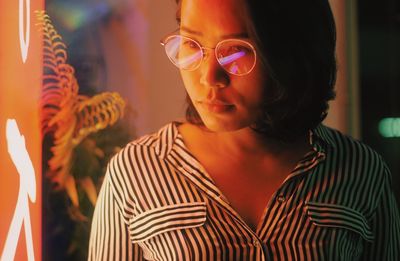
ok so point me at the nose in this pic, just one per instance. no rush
(212, 74)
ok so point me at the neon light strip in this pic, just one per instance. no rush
(24, 40)
(27, 191)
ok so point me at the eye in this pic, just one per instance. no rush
(190, 44)
(237, 49)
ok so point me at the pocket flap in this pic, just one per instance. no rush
(159, 220)
(332, 215)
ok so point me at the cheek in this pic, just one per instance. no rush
(251, 90)
(189, 81)
(256, 85)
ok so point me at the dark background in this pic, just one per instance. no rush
(379, 49)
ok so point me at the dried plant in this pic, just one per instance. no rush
(70, 117)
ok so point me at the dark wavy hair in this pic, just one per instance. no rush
(296, 42)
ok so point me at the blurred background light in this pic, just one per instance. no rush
(389, 127)
(74, 15)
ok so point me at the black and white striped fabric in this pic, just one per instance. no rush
(158, 203)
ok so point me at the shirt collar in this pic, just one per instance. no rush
(168, 138)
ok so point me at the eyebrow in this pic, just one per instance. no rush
(233, 35)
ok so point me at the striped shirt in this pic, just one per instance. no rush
(157, 202)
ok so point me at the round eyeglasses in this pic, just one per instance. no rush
(236, 56)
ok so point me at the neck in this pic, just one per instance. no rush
(245, 142)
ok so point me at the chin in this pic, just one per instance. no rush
(215, 124)
(228, 120)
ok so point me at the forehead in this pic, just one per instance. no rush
(214, 17)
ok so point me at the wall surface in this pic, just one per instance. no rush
(20, 141)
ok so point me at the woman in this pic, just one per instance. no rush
(252, 174)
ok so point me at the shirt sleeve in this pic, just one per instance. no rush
(385, 226)
(109, 237)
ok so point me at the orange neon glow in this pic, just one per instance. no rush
(20, 142)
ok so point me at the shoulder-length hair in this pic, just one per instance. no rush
(296, 42)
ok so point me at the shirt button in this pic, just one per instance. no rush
(255, 242)
(281, 198)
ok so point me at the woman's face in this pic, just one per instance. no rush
(225, 102)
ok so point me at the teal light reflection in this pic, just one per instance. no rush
(389, 127)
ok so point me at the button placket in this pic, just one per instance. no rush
(260, 252)
(256, 243)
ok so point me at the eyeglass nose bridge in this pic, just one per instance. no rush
(206, 50)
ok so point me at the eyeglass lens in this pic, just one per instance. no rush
(235, 56)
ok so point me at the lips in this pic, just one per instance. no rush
(216, 106)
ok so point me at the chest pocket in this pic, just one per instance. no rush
(337, 216)
(167, 218)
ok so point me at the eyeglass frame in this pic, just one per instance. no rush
(203, 48)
